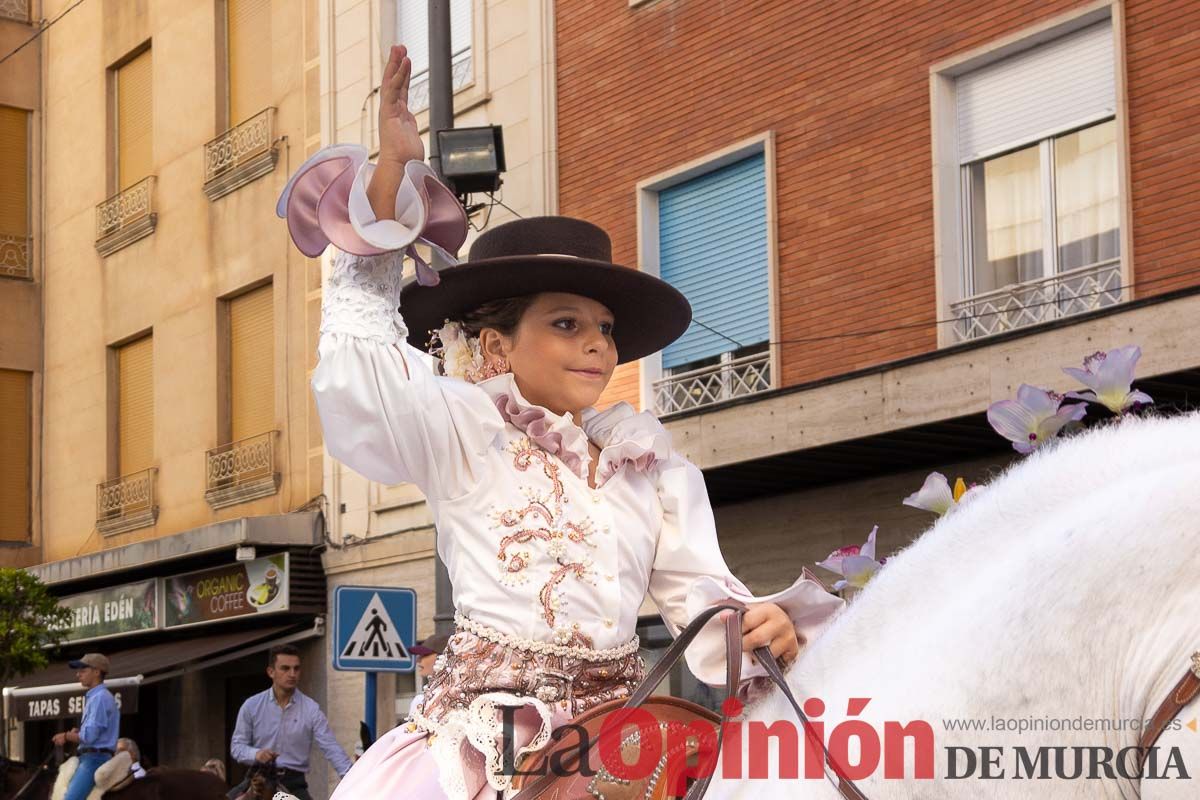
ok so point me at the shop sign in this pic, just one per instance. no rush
(239, 589)
(112, 611)
(67, 703)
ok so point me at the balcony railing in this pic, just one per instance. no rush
(461, 74)
(126, 217)
(1022, 304)
(14, 256)
(15, 10)
(240, 154)
(241, 471)
(127, 503)
(733, 377)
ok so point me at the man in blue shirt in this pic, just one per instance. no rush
(281, 724)
(97, 731)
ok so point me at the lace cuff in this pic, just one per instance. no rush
(362, 298)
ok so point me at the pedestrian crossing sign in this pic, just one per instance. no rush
(373, 628)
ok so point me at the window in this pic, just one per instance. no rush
(412, 31)
(713, 247)
(1039, 198)
(1046, 209)
(15, 468)
(14, 192)
(135, 143)
(135, 406)
(248, 44)
(251, 364)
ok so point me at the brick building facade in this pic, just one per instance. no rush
(881, 361)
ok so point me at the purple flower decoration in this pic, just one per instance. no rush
(1033, 418)
(1108, 377)
(855, 564)
(937, 496)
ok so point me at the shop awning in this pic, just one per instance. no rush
(148, 664)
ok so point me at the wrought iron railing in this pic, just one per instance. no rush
(127, 502)
(242, 461)
(14, 256)
(126, 216)
(461, 75)
(247, 149)
(733, 377)
(15, 9)
(1022, 304)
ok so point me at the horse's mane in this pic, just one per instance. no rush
(1089, 532)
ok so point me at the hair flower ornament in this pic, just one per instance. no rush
(460, 353)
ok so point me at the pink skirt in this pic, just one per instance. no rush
(401, 765)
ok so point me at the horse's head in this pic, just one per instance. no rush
(264, 780)
(16, 774)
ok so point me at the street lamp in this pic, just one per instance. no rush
(472, 159)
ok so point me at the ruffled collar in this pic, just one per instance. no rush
(624, 435)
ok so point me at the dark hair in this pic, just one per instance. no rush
(281, 650)
(504, 315)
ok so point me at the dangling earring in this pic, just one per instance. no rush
(493, 368)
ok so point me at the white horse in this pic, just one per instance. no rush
(1068, 590)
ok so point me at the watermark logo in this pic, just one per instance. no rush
(633, 745)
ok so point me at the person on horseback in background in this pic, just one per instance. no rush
(125, 745)
(97, 731)
(280, 724)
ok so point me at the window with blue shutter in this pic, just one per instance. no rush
(713, 247)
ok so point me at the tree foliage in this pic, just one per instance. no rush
(30, 619)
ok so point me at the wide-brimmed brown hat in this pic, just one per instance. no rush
(551, 254)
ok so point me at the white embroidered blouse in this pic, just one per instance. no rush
(532, 550)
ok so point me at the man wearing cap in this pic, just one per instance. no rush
(97, 731)
(427, 650)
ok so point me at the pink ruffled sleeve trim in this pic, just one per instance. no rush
(325, 201)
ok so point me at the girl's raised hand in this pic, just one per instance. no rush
(399, 141)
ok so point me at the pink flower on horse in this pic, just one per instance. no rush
(1035, 417)
(1109, 378)
(855, 564)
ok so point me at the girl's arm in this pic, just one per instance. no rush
(383, 411)
(689, 574)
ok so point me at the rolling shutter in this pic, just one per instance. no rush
(135, 143)
(713, 247)
(412, 29)
(1049, 89)
(14, 172)
(249, 58)
(135, 398)
(252, 363)
(15, 467)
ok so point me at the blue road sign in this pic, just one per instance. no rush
(373, 627)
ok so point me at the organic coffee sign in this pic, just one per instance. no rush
(112, 611)
(247, 587)
(67, 703)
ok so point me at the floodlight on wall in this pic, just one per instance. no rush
(472, 158)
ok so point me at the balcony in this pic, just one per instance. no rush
(16, 10)
(732, 377)
(461, 74)
(126, 503)
(241, 471)
(126, 217)
(1022, 304)
(240, 155)
(14, 256)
